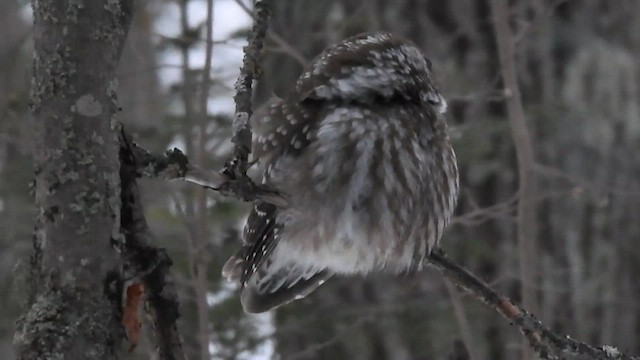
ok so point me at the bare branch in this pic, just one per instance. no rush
(233, 180)
(175, 165)
(463, 323)
(285, 47)
(545, 342)
(201, 227)
(238, 165)
(583, 184)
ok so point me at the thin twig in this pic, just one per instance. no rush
(285, 47)
(575, 181)
(463, 322)
(233, 180)
(339, 335)
(175, 165)
(200, 259)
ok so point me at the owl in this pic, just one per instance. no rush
(360, 150)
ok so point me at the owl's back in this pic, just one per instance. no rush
(373, 188)
(361, 151)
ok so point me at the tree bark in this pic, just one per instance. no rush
(74, 301)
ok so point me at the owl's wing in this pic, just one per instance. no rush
(265, 283)
(275, 284)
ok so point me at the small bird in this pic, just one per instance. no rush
(361, 152)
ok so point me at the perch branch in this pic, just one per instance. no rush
(233, 180)
(175, 165)
(545, 342)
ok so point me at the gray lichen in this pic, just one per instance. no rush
(114, 7)
(97, 138)
(88, 106)
(73, 9)
(51, 328)
(56, 71)
(45, 316)
(44, 9)
(108, 33)
(611, 351)
(112, 89)
(115, 205)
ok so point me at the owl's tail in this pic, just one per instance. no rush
(272, 285)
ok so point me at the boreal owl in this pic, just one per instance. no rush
(361, 152)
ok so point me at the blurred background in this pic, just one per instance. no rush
(578, 64)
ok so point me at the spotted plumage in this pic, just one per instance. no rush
(360, 149)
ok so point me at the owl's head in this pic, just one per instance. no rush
(371, 67)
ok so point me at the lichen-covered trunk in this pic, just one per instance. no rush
(73, 310)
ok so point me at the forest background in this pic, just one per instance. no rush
(578, 68)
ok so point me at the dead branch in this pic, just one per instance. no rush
(285, 47)
(237, 166)
(545, 342)
(175, 165)
(145, 263)
(463, 324)
(232, 180)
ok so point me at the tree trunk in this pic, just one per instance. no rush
(74, 301)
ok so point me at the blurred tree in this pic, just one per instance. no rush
(200, 228)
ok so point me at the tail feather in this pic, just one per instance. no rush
(272, 286)
(266, 283)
